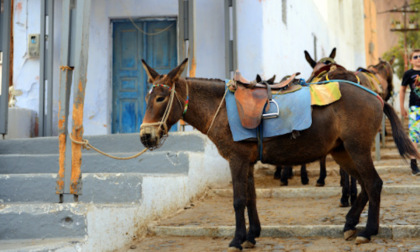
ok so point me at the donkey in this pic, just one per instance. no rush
(377, 78)
(345, 129)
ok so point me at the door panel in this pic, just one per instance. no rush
(151, 40)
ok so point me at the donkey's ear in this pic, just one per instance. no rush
(309, 59)
(176, 72)
(152, 74)
(271, 80)
(391, 61)
(258, 78)
(332, 54)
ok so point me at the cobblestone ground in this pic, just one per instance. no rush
(214, 210)
(297, 244)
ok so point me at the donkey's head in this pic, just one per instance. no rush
(384, 69)
(321, 63)
(161, 110)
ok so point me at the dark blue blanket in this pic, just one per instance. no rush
(295, 114)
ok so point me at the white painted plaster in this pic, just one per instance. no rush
(21, 123)
(266, 45)
(114, 226)
(26, 21)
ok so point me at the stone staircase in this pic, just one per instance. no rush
(297, 217)
(119, 198)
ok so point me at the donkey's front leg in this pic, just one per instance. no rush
(251, 204)
(239, 172)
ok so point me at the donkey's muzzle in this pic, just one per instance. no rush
(151, 137)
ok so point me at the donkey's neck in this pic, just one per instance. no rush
(205, 95)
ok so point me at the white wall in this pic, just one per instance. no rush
(345, 21)
(25, 70)
(210, 35)
(266, 45)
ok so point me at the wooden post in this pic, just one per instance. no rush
(80, 73)
(66, 73)
(72, 157)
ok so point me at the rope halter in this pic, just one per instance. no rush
(162, 132)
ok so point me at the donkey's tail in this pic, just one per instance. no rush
(401, 139)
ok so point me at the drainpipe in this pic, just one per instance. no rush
(7, 68)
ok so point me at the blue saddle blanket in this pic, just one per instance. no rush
(295, 114)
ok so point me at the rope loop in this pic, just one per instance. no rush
(86, 145)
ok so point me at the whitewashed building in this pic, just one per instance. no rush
(271, 36)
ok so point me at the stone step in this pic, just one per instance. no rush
(334, 169)
(122, 143)
(97, 188)
(118, 200)
(292, 217)
(39, 245)
(149, 162)
(315, 243)
(43, 221)
(283, 231)
(319, 192)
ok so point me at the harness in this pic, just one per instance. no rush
(163, 122)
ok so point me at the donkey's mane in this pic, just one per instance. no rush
(212, 84)
(203, 79)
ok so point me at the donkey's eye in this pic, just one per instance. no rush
(160, 99)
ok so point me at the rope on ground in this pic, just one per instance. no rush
(85, 143)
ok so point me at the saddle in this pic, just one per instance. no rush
(317, 75)
(376, 82)
(252, 97)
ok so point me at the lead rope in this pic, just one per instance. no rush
(85, 143)
(217, 111)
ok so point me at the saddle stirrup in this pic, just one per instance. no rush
(273, 114)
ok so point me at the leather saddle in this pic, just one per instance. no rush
(317, 75)
(252, 97)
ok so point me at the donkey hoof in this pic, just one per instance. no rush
(349, 234)
(361, 240)
(319, 184)
(233, 249)
(248, 244)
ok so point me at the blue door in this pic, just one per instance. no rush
(151, 40)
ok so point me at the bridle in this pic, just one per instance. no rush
(376, 69)
(162, 124)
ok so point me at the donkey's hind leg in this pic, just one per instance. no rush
(251, 205)
(352, 218)
(371, 183)
(361, 167)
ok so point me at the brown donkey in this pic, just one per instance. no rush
(377, 77)
(346, 129)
